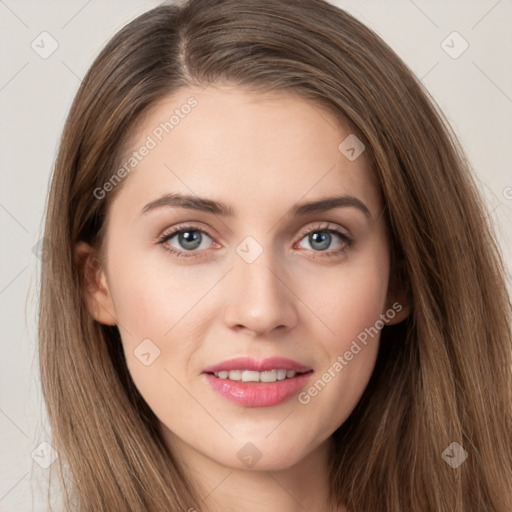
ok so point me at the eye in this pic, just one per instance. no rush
(322, 238)
(191, 241)
(185, 239)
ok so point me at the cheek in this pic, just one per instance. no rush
(351, 306)
(151, 294)
(359, 306)
(161, 313)
(347, 298)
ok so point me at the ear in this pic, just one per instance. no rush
(398, 298)
(95, 287)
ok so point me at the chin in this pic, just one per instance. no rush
(259, 454)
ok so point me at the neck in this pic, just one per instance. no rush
(300, 487)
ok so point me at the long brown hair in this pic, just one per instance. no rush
(443, 376)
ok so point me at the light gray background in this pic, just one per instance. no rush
(474, 91)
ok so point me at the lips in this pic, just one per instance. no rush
(264, 365)
(256, 391)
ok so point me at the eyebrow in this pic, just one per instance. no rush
(220, 208)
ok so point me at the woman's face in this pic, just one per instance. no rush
(245, 231)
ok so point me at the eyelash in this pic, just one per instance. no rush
(347, 242)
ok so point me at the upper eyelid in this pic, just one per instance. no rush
(180, 228)
(347, 241)
(324, 226)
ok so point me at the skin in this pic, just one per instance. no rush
(261, 155)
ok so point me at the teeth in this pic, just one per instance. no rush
(253, 376)
(270, 376)
(250, 376)
(234, 375)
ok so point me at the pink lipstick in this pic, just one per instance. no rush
(257, 383)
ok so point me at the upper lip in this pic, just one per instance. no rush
(260, 365)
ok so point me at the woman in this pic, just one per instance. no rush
(272, 284)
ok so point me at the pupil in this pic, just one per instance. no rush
(190, 239)
(323, 239)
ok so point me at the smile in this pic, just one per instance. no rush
(255, 376)
(253, 382)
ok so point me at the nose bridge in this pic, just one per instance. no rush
(257, 296)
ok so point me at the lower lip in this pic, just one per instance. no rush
(258, 394)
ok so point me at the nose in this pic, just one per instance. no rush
(259, 298)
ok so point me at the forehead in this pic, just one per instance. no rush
(248, 149)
